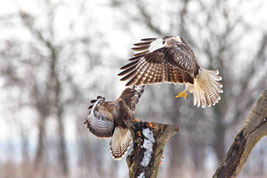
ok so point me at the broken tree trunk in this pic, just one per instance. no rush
(149, 140)
(254, 128)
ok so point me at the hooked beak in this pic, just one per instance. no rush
(139, 89)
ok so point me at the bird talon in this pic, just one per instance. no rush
(182, 94)
(137, 120)
(150, 125)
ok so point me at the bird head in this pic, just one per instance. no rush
(170, 41)
(128, 93)
(132, 94)
(139, 90)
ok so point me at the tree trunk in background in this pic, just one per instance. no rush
(56, 88)
(219, 140)
(63, 160)
(198, 155)
(176, 156)
(176, 147)
(59, 114)
(40, 145)
(219, 131)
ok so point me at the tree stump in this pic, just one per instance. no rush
(149, 140)
(254, 128)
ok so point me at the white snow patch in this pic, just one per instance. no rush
(148, 145)
(149, 135)
(142, 175)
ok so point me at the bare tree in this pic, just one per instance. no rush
(45, 81)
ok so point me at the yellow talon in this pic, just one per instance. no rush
(152, 126)
(182, 94)
(137, 120)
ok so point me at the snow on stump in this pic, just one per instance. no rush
(149, 140)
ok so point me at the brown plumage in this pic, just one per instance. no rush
(171, 59)
(106, 119)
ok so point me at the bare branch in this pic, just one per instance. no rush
(254, 128)
(148, 19)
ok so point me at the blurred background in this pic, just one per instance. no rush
(57, 55)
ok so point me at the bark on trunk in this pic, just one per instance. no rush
(149, 140)
(254, 128)
(40, 146)
(176, 148)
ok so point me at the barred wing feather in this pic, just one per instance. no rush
(100, 121)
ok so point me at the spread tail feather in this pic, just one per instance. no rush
(206, 88)
(120, 142)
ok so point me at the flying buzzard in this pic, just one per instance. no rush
(171, 59)
(106, 119)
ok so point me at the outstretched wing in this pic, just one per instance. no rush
(168, 59)
(100, 120)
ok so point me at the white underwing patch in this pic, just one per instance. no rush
(178, 38)
(158, 43)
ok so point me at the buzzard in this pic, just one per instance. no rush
(106, 119)
(171, 59)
